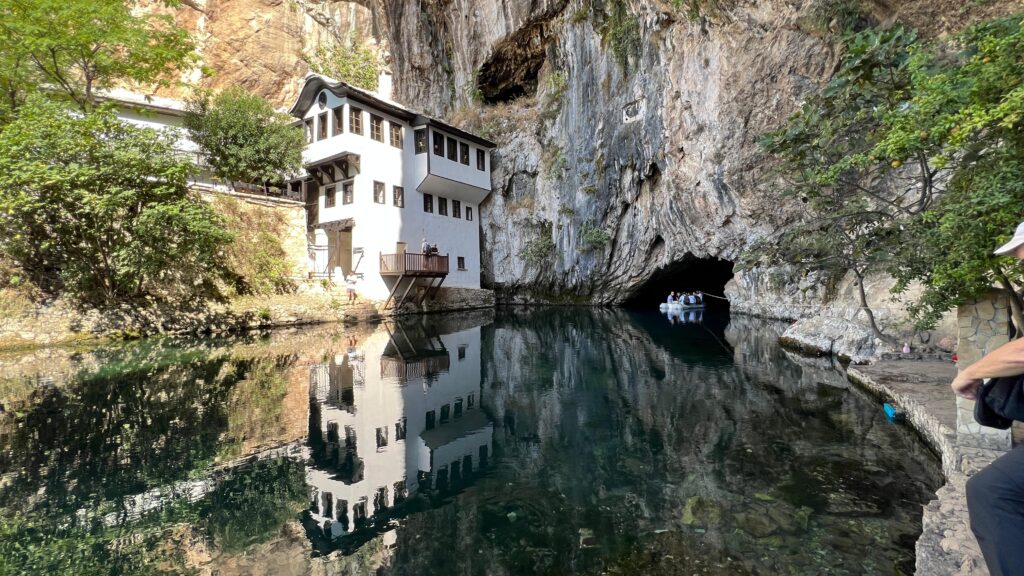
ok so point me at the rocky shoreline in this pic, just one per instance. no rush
(59, 323)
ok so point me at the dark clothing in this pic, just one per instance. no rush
(995, 500)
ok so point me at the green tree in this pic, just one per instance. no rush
(244, 138)
(101, 209)
(76, 47)
(349, 62)
(965, 110)
(827, 155)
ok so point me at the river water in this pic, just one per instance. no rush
(530, 441)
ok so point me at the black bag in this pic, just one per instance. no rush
(1000, 402)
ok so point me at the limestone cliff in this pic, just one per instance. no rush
(628, 128)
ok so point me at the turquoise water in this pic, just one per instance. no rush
(527, 441)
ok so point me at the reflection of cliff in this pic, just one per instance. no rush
(612, 426)
(394, 415)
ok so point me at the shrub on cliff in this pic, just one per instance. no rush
(349, 62)
(244, 139)
(101, 210)
(257, 259)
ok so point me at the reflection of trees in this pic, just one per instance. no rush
(83, 453)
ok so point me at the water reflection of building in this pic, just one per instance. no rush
(392, 415)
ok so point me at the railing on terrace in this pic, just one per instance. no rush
(413, 264)
(406, 370)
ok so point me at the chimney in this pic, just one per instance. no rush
(384, 84)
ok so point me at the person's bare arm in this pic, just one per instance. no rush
(1007, 360)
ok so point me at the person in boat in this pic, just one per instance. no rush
(700, 297)
(671, 298)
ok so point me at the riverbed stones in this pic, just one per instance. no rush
(701, 511)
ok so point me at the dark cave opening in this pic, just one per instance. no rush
(689, 274)
(511, 70)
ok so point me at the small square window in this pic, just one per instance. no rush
(347, 195)
(378, 192)
(446, 413)
(431, 419)
(480, 159)
(456, 209)
(464, 153)
(442, 206)
(355, 120)
(382, 436)
(338, 117)
(308, 123)
(428, 203)
(329, 196)
(462, 356)
(462, 266)
(458, 408)
(438, 144)
(469, 213)
(321, 132)
(376, 128)
(453, 149)
(396, 135)
(398, 195)
(420, 139)
(400, 429)
(471, 399)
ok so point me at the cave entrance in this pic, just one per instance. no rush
(689, 274)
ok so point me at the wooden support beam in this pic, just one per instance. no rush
(392, 294)
(412, 282)
(437, 288)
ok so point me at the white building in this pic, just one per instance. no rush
(398, 413)
(381, 180)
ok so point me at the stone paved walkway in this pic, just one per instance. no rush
(921, 388)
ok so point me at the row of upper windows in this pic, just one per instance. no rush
(318, 128)
(446, 411)
(348, 194)
(457, 151)
(442, 207)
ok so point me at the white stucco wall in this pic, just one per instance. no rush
(380, 227)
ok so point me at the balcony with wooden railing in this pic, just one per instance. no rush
(409, 264)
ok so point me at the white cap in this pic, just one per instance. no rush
(1017, 240)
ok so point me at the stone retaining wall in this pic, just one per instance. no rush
(983, 326)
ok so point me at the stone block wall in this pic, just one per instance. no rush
(982, 325)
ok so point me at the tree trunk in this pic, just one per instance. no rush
(867, 310)
(1016, 305)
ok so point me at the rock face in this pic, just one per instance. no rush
(627, 129)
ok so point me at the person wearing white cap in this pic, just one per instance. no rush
(1012, 248)
(995, 495)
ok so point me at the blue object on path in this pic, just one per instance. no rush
(892, 413)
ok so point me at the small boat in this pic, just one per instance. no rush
(677, 306)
